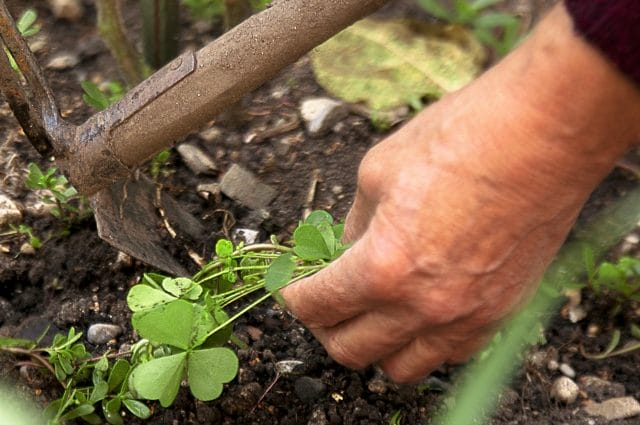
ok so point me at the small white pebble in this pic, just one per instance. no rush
(567, 370)
(564, 390)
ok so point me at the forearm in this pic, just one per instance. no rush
(566, 113)
(587, 106)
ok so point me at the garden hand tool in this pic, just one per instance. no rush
(100, 157)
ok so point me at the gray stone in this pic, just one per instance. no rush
(320, 114)
(567, 370)
(9, 211)
(196, 159)
(599, 389)
(553, 365)
(63, 61)
(71, 10)
(564, 390)
(309, 389)
(614, 408)
(101, 333)
(243, 186)
(248, 236)
(318, 417)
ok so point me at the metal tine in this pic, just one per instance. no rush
(19, 49)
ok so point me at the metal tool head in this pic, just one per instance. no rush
(126, 213)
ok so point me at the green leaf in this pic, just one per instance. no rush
(170, 323)
(483, 4)
(16, 342)
(142, 297)
(111, 410)
(26, 20)
(93, 96)
(495, 20)
(222, 336)
(153, 279)
(179, 286)
(203, 323)
(433, 7)
(100, 391)
(310, 244)
(279, 272)
(35, 178)
(387, 64)
(209, 369)
(159, 379)
(224, 248)
(326, 230)
(319, 216)
(137, 408)
(82, 410)
(118, 374)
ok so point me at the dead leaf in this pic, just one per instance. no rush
(391, 63)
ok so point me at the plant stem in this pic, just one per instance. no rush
(111, 28)
(238, 315)
(30, 353)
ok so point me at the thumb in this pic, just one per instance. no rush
(334, 294)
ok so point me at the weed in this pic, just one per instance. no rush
(160, 165)
(184, 328)
(396, 418)
(208, 9)
(26, 230)
(499, 31)
(69, 206)
(27, 26)
(100, 99)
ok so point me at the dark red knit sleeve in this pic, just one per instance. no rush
(612, 26)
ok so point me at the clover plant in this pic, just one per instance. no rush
(184, 329)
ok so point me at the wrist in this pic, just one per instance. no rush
(577, 105)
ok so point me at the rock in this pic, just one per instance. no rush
(599, 389)
(63, 61)
(101, 333)
(318, 417)
(71, 10)
(576, 313)
(196, 159)
(553, 365)
(206, 190)
(254, 333)
(210, 134)
(320, 114)
(309, 389)
(248, 236)
(6, 310)
(27, 249)
(567, 370)
(614, 408)
(564, 390)
(378, 385)
(9, 211)
(243, 186)
(290, 367)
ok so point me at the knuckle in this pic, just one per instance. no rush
(344, 355)
(400, 373)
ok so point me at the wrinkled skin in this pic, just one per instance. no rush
(458, 213)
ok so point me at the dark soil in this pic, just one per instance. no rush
(78, 280)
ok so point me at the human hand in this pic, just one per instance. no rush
(458, 213)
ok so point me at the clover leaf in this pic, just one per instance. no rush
(209, 369)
